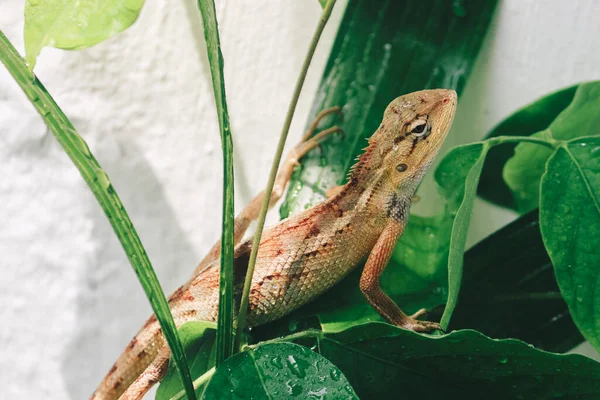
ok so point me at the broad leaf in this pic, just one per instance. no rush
(524, 170)
(198, 338)
(367, 69)
(382, 361)
(509, 290)
(74, 25)
(530, 119)
(278, 371)
(458, 176)
(570, 225)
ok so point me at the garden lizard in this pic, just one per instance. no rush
(306, 254)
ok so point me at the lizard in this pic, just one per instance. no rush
(304, 255)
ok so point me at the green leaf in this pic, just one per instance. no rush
(458, 176)
(570, 225)
(379, 54)
(509, 277)
(99, 183)
(530, 119)
(278, 371)
(198, 338)
(74, 25)
(382, 361)
(524, 170)
(362, 76)
(225, 336)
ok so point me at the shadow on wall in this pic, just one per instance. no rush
(111, 305)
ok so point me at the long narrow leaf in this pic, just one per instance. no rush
(213, 47)
(98, 181)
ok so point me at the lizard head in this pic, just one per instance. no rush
(413, 129)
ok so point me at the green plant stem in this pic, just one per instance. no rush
(95, 177)
(309, 333)
(201, 380)
(241, 320)
(551, 143)
(225, 339)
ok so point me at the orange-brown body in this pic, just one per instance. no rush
(308, 253)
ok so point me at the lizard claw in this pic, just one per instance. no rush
(415, 325)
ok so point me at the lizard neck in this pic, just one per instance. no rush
(373, 197)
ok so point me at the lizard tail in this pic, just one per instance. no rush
(196, 300)
(138, 355)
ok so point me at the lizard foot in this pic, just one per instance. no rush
(415, 325)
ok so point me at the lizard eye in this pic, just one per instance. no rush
(418, 127)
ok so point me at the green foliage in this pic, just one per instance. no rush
(361, 75)
(565, 114)
(198, 338)
(556, 165)
(570, 224)
(380, 53)
(523, 171)
(382, 361)
(225, 336)
(568, 193)
(74, 25)
(457, 177)
(509, 290)
(99, 183)
(278, 371)
(530, 119)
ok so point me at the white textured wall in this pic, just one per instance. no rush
(70, 301)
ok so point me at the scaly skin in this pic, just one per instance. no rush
(308, 253)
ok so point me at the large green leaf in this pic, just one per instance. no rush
(278, 371)
(382, 361)
(369, 67)
(458, 176)
(530, 119)
(198, 339)
(509, 290)
(380, 53)
(74, 25)
(570, 225)
(523, 171)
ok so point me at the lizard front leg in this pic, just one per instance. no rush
(369, 282)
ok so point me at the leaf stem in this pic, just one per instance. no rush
(225, 338)
(201, 380)
(551, 143)
(309, 333)
(241, 321)
(98, 181)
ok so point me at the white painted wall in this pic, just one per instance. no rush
(142, 100)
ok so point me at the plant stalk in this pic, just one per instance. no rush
(241, 320)
(552, 144)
